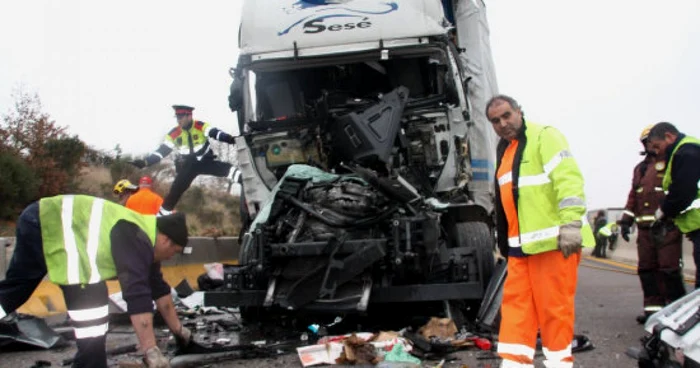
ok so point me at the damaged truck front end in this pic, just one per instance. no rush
(356, 169)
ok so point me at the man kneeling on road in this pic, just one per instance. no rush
(81, 241)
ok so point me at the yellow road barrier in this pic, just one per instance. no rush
(47, 299)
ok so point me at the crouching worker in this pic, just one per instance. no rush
(81, 241)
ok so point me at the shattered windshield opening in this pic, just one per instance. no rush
(327, 115)
(299, 93)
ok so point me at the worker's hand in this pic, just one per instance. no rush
(138, 163)
(183, 337)
(154, 358)
(569, 241)
(625, 231)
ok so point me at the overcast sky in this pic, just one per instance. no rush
(598, 70)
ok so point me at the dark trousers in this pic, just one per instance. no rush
(694, 237)
(601, 243)
(88, 310)
(26, 270)
(659, 268)
(187, 172)
(27, 266)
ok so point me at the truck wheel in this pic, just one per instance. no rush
(478, 236)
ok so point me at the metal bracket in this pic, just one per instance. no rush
(270, 296)
(366, 292)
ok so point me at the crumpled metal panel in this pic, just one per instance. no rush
(28, 330)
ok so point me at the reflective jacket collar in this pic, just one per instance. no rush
(671, 148)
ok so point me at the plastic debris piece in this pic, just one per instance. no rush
(184, 289)
(215, 270)
(27, 330)
(398, 354)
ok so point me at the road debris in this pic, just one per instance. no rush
(355, 348)
(441, 328)
(130, 348)
(398, 354)
(25, 330)
(183, 289)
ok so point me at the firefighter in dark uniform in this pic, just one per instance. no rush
(190, 140)
(659, 261)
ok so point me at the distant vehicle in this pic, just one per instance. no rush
(367, 163)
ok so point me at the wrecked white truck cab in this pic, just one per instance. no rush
(367, 178)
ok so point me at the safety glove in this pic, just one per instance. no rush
(183, 337)
(138, 163)
(625, 231)
(569, 241)
(154, 358)
(661, 226)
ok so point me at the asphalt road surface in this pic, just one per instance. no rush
(608, 299)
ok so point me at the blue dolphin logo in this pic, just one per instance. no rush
(353, 13)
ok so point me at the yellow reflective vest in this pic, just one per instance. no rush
(193, 141)
(548, 191)
(75, 230)
(689, 219)
(608, 230)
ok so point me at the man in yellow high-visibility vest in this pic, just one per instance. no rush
(81, 241)
(682, 182)
(542, 226)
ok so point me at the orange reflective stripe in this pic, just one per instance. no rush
(505, 183)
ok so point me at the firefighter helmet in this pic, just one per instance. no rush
(145, 181)
(123, 186)
(645, 132)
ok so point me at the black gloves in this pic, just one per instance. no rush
(625, 231)
(138, 163)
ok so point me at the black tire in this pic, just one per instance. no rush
(478, 236)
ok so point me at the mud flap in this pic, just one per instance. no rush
(490, 307)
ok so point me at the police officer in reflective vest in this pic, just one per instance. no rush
(81, 241)
(659, 263)
(682, 184)
(190, 140)
(542, 226)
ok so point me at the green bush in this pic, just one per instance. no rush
(18, 185)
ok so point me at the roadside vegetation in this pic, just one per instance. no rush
(38, 158)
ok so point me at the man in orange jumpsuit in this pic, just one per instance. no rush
(145, 201)
(542, 225)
